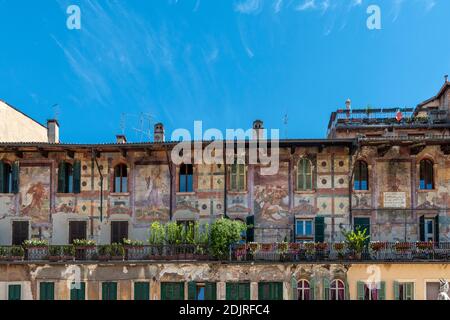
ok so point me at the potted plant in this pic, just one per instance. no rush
(83, 248)
(3, 253)
(356, 241)
(339, 247)
(173, 239)
(68, 253)
(223, 234)
(117, 251)
(54, 253)
(104, 252)
(156, 240)
(16, 253)
(134, 249)
(36, 249)
(402, 247)
(282, 249)
(201, 240)
(424, 246)
(377, 246)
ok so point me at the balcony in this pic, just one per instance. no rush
(238, 253)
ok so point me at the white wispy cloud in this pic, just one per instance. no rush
(277, 6)
(306, 5)
(356, 3)
(248, 6)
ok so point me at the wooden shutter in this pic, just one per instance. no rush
(409, 291)
(319, 229)
(312, 290)
(119, 231)
(109, 291)
(396, 291)
(294, 288)
(141, 291)
(250, 220)
(62, 177)
(2, 177)
(192, 291)
(77, 176)
(261, 287)
(14, 292)
(47, 291)
(326, 289)
(77, 230)
(78, 293)
(231, 291)
(244, 291)
(347, 290)
(15, 173)
(422, 228)
(278, 291)
(382, 291)
(436, 229)
(210, 291)
(360, 290)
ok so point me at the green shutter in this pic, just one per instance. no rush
(382, 291)
(409, 288)
(244, 291)
(396, 291)
(279, 291)
(14, 292)
(230, 291)
(422, 228)
(313, 288)
(360, 290)
(172, 291)
(319, 228)
(77, 176)
(210, 291)
(141, 291)
(78, 293)
(261, 295)
(436, 229)
(2, 177)
(61, 177)
(294, 288)
(326, 289)
(47, 291)
(192, 291)
(347, 291)
(15, 177)
(109, 291)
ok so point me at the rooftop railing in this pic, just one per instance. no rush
(248, 252)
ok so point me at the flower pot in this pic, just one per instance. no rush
(54, 258)
(103, 258)
(189, 256)
(15, 258)
(117, 258)
(68, 258)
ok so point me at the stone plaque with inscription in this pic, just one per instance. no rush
(394, 199)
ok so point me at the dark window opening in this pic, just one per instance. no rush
(186, 178)
(361, 176)
(121, 178)
(426, 175)
(77, 230)
(19, 232)
(119, 231)
(5, 178)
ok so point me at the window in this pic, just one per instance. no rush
(304, 175)
(270, 291)
(429, 228)
(121, 178)
(337, 290)
(47, 291)
(172, 290)
(69, 177)
(361, 176)
(77, 230)
(14, 292)
(303, 290)
(5, 178)
(109, 291)
(78, 291)
(186, 178)
(426, 175)
(238, 291)
(304, 230)
(237, 177)
(371, 291)
(362, 224)
(202, 291)
(404, 290)
(141, 291)
(19, 232)
(119, 231)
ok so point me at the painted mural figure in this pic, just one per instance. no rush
(37, 193)
(443, 291)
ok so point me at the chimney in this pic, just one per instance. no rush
(121, 139)
(258, 129)
(348, 104)
(158, 134)
(53, 131)
(446, 78)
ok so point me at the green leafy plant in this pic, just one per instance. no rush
(35, 243)
(356, 239)
(104, 250)
(133, 243)
(282, 247)
(225, 232)
(157, 234)
(17, 251)
(83, 243)
(117, 250)
(3, 252)
(54, 251)
(68, 251)
(173, 233)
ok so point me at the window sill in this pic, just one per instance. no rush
(63, 194)
(426, 190)
(362, 191)
(305, 191)
(230, 192)
(185, 193)
(119, 194)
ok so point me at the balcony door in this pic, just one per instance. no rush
(119, 231)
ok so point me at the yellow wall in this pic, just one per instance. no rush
(419, 273)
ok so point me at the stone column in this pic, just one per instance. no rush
(221, 290)
(253, 290)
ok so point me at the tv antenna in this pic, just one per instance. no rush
(285, 122)
(143, 130)
(56, 111)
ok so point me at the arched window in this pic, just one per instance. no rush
(304, 174)
(5, 178)
(337, 290)
(426, 175)
(361, 176)
(303, 289)
(237, 177)
(65, 178)
(186, 178)
(121, 178)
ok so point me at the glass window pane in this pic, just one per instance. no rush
(308, 228)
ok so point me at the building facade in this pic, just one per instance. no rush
(385, 170)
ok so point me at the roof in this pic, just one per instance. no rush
(16, 109)
(439, 94)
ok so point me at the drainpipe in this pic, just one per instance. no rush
(94, 156)
(225, 187)
(171, 184)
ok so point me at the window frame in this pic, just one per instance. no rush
(361, 168)
(121, 186)
(186, 171)
(426, 175)
(301, 288)
(240, 172)
(304, 237)
(334, 289)
(7, 187)
(302, 174)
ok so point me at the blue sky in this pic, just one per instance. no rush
(223, 62)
